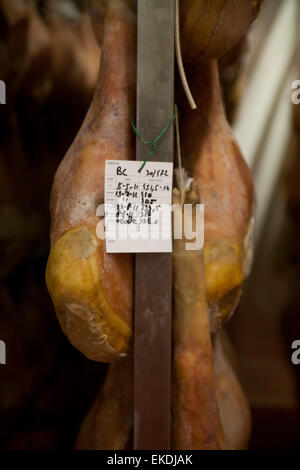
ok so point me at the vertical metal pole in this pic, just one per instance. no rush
(153, 285)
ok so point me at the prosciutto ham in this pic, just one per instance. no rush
(92, 291)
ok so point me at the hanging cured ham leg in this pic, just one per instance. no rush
(232, 403)
(214, 161)
(207, 283)
(109, 424)
(196, 421)
(92, 290)
(211, 28)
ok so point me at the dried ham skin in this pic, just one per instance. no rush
(92, 291)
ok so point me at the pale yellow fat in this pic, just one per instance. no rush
(72, 276)
(223, 269)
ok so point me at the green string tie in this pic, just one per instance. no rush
(154, 142)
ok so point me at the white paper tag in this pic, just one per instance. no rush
(138, 207)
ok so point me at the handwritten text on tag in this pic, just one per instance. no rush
(138, 207)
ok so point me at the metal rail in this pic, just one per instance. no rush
(153, 285)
